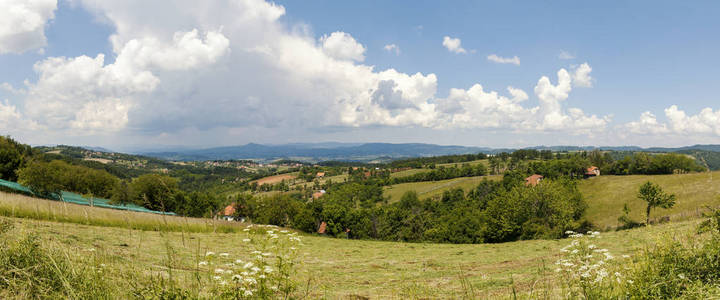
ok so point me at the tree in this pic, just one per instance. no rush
(43, 179)
(154, 191)
(12, 157)
(121, 193)
(654, 195)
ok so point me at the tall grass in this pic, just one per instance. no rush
(20, 206)
(30, 269)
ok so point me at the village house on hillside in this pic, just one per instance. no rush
(228, 213)
(592, 172)
(320, 174)
(533, 180)
(318, 194)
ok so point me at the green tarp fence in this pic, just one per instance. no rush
(79, 199)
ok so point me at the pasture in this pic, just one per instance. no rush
(336, 268)
(429, 189)
(606, 196)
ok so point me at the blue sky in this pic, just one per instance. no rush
(219, 73)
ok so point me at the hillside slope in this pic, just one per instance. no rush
(338, 268)
(606, 196)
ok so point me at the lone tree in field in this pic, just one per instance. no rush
(655, 197)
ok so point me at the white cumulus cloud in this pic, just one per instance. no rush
(453, 45)
(235, 67)
(504, 60)
(392, 48)
(22, 24)
(581, 77)
(565, 55)
(341, 45)
(86, 93)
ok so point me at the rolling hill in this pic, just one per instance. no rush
(319, 152)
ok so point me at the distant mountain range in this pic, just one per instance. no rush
(318, 152)
(370, 152)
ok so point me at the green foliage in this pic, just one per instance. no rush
(31, 271)
(442, 173)
(625, 221)
(492, 212)
(544, 211)
(121, 193)
(154, 191)
(673, 269)
(644, 163)
(47, 179)
(420, 162)
(44, 179)
(12, 157)
(655, 197)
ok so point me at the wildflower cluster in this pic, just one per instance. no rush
(265, 272)
(585, 267)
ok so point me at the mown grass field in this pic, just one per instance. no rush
(430, 189)
(408, 172)
(606, 196)
(339, 268)
(19, 206)
(460, 164)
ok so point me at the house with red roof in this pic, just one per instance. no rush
(592, 172)
(533, 180)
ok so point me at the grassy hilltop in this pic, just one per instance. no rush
(606, 196)
(333, 268)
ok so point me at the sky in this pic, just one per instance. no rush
(139, 74)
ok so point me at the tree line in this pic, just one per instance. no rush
(494, 211)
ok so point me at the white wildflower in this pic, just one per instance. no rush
(248, 265)
(224, 254)
(246, 240)
(237, 277)
(219, 271)
(217, 277)
(209, 253)
(202, 263)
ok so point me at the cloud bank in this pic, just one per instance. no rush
(22, 24)
(233, 67)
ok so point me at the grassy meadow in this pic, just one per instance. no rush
(606, 196)
(20, 206)
(337, 268)
(137, 250)
(460, 164)
(429, 189)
